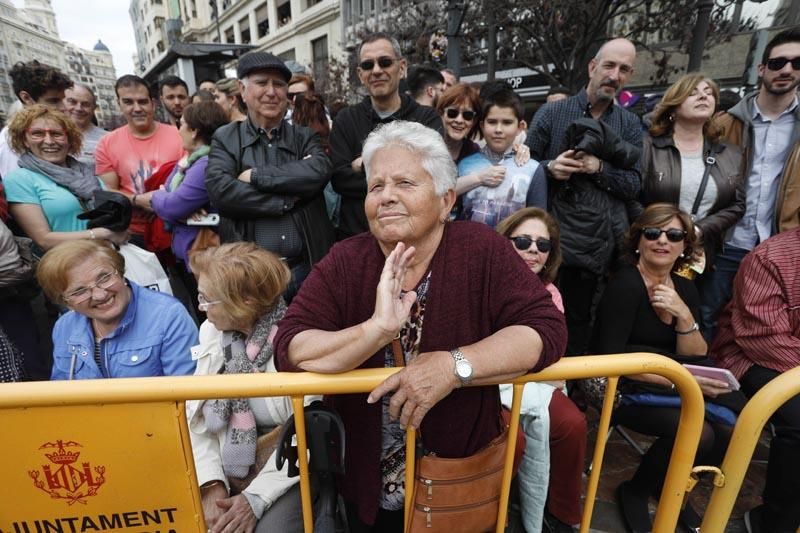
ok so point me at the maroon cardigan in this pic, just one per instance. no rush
(478, 286)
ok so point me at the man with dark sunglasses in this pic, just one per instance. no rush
(380, 69)
(766, 126)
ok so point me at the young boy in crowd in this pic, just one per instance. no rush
(500, 193)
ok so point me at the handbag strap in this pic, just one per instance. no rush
(397, 352)
(709, 162)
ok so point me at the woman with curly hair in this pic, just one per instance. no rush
(50, 187)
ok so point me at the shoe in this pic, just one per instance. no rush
(753, 520)
(634, 508)
(551, 524)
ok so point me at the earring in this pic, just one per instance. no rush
(637, 251)
(672, 118)
(682, 255)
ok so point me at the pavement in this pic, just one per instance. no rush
(619, 465)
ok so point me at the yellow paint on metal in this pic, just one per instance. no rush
(35, 402)
(98, 467)
(749, 425)
(599, 453)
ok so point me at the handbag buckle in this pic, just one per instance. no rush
(710, 160)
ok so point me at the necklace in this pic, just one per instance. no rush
(649, 282)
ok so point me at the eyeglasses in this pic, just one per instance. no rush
(204, 304)
(104, 281)
(673, 235)
(523, 242)
(383, 62)
(777, 63)
(39, 134)
(453, 113)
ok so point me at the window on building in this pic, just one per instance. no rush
(230, 35)
(157, 2)
(319, 55)
(160, 46)
(311, 3)
(284, 14)
(262, 20)
(288, 55)
(226, 4)
(244, 29)
(158, 22)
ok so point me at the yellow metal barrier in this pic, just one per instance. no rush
(743, 443)
(18, 401)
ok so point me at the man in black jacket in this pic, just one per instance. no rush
(588, 195)
(266, 176)
(380, 68)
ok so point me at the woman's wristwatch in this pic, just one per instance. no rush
(695, 327)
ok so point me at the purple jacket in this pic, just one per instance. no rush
(175, 206)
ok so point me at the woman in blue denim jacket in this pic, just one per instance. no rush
(114, 328)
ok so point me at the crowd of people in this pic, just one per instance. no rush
(439, 230)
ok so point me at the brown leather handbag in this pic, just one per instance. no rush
(460, 494)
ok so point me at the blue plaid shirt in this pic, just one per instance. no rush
(548, 131)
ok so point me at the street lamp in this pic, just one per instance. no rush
(215, 15)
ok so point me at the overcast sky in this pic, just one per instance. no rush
(82, 22)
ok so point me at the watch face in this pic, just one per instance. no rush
(463, 369)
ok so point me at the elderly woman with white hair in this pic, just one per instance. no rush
(463, 305)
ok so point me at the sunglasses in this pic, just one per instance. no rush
(523, 243)
(292, 96)
(673, 235)
(383, 62)
(453, 113)
(777, 63)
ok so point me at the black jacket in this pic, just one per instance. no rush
(287, 181)
(661, 182)
(350, 130)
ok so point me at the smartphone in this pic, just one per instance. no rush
(211, 219)
(722, 374)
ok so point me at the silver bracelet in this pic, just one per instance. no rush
(695, 327)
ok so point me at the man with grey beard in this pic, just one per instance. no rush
(588, 195)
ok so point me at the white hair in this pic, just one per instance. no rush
(426, 144)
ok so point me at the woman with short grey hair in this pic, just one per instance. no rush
(434, 286)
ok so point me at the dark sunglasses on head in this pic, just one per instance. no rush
(673, 235)
(383, 62)
(292, 96)
(777, 63)
(523, 243)
(453, 113)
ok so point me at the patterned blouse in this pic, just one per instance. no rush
(393, 454)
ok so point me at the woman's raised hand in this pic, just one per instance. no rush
(665, 298)
(391, 306)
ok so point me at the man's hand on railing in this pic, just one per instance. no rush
(418, 387)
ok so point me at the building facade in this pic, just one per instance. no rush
(305, 31)
(31, 33)
(26, 34)
(148, 18)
